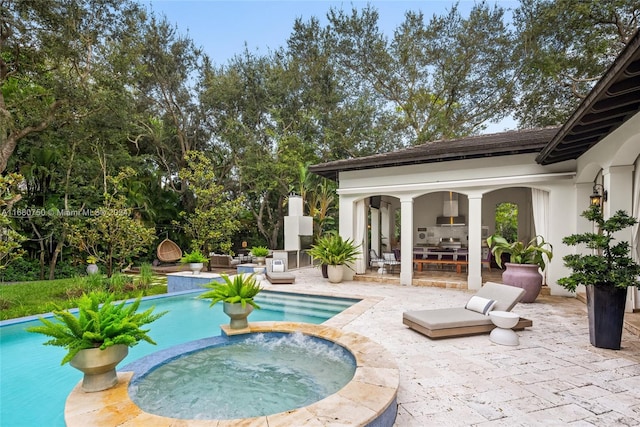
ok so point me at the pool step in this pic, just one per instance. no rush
(283, 296)
(302, 304)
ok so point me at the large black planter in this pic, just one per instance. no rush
(605, 305)
(324, 270)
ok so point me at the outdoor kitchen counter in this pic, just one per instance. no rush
(434, 251)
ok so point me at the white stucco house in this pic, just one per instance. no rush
(549, 173)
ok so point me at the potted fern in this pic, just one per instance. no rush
(99, 337)
(260, 253)
(525, 262)
(195, 259)
(606, 272)
(237, 294)
(334, 251)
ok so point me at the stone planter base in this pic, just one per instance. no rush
(99, 366)
(237, 314)
(335, 273)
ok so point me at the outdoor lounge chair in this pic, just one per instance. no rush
(277, 274)
(461, 321)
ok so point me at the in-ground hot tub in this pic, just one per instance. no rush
(367, 399)
(241, 377)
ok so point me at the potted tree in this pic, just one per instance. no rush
(237, 294)
(99, 337)
(334, 251)
(260, 253)
(607, 272)
(195, 259)
(525, 261)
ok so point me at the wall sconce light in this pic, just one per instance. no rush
(596, 199)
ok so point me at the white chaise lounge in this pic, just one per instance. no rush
(461, 321)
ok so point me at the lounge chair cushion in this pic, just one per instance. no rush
(444, 318)
(506, 296)
(277, 278)
(480, 305)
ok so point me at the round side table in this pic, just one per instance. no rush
(381, 269)
(504, 321)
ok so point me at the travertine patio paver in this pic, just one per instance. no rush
(553, 378)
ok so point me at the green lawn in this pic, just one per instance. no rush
(38, 297)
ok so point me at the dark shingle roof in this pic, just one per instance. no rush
(612, 101)
(490, 145)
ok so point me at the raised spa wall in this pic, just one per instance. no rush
(369, 399)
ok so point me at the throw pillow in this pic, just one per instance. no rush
(480, 305)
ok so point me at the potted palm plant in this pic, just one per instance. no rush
(99, 337)
(336, 252)
(525, 262)
(607, 272)
(237, 294)
(195, 259)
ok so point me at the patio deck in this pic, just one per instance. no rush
(553, 378)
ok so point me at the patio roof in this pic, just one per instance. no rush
(472, 147)
(612, 101)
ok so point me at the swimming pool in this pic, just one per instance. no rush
(35, 386)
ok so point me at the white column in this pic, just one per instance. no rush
(406, 240)
(618, 181)
(474, 275)
(375, 229)
(386, 225)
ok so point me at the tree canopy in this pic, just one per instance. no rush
(94, 89)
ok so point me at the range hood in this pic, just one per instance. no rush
(450, 220)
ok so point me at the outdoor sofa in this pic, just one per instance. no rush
(463, 321)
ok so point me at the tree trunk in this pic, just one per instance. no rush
(54, 257)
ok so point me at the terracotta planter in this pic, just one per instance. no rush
(605, 306)
(525, 276)
(335, 273)
(99, 366)
(238, 314)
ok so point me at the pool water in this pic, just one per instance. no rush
(34, 386)
(275, 372)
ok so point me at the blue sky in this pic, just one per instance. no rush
(222, 27)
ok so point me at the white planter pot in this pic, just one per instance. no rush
(92, 269)
(99, 366)
(335, 273)
(195, 267)
(238, 314)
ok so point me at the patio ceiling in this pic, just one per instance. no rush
(612, 101)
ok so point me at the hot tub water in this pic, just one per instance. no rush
(258, 375)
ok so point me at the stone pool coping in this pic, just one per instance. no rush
(367, 399)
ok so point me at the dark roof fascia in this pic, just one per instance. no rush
(473, 147)
(601, 99)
